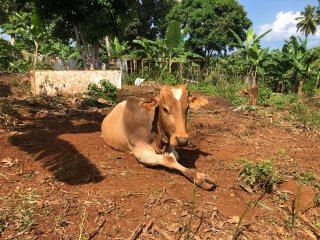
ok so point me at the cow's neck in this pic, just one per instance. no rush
(160, 138)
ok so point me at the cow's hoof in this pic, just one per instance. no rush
(205, 182)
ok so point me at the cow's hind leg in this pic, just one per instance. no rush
(147, 156)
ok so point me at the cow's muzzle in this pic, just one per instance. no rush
(182, 141)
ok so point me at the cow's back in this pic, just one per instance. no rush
(112, 129)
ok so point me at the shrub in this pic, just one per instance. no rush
(307, 115)
(106, 90)
(309, 178)
(264, 94)
(261, 175)
(281, 101)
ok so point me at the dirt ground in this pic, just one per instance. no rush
(59, 180)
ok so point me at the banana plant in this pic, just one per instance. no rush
(302, 61)
(254, 55)
(119, 51)
(28, 26)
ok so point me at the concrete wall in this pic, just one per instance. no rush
(72, 81)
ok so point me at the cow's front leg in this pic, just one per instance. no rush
(147, 156)
(174, 152)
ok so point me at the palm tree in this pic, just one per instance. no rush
(307, 21)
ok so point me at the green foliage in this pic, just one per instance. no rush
(168, 79)
(206, 21)
(9, 55)
(106, 90)
(264, 94)
(282, 101)
(118, 50)
(308, 21)
(308, 178)
(228, 90)
(173, 37)
(307, 115)
(261, 175)
(253, 52)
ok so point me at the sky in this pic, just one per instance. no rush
(278, 15)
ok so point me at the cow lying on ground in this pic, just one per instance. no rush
(151, 128)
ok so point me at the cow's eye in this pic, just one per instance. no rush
(166, 109)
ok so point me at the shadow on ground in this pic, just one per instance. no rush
(40, 138)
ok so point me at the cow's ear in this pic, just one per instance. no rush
(185, 86)
(149, 103)
(197, 102)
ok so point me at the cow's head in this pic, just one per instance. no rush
(174, 103)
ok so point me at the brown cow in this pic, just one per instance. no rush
(151, 128)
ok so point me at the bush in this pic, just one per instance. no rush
(307, 115)
(106, 90)
(264, 94)
(261, 175)
(281, 101)
(229, 91)
(309, 178)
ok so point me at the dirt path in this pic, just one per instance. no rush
(61, 181)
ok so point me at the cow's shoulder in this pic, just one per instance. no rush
(138, 118)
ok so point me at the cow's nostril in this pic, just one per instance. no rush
(182, 140)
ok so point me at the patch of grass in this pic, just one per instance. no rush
(308, 178)
(283, 196)
(8, 113)
(227, 90)
(261, 175)
(18, 210)
(281, 101)
(307, 115)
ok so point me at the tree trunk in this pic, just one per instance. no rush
(96, 49)
(253, 95)
(12, 39)
(35, 55)
(85, 49)
(301, 81)
(294, 85)
(108, 46)
(78, 39)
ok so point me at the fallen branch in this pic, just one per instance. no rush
(96, 232)
(163, 233)
(309, 224)
(135, 234)
(149, 225)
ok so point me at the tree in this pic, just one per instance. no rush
(307, 21)
(146, 19)
(301, 60)
(30, 27)
(119, 51)
(88, 22)
(169, 49)
(206, 24)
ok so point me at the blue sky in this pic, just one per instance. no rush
(279, 16)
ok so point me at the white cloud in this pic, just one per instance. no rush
(283, 27)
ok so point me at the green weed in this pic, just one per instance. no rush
(308, 178)
(18, 209)
(307, 115)
(105, 90)
(261, 175)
